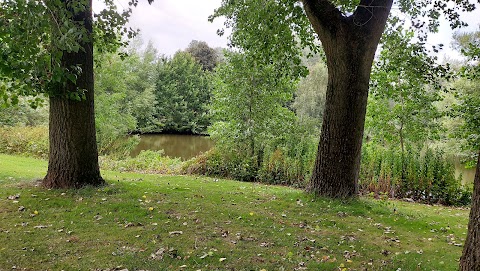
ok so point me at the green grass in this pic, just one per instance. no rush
(153, 222)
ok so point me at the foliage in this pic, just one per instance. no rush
(125, 97)
(146, 161)
(469, 46)
(465, 113)
(288, 160)
(467, 108)
(31, 59)
(405, 86)
(310, 97)
(249, 109)
(22, 114)
(28, 141)
(203, 54)
(113, 115)
(275, 31)
(152, 222)
(426, 177)
(141, 66)
(182, 92)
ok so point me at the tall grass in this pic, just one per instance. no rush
(29, 141)
(421, 176)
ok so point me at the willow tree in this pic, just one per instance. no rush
(46, 47)
(349, 32)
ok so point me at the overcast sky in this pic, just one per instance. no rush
(172, 24)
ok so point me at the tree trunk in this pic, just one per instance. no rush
(349, 43)
(338, 158)
(470, 260)
(73, 157)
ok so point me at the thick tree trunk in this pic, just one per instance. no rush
(73, 158)
(350, 43)
(338, 158)
(470, 260)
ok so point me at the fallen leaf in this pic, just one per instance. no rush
(175, 232)
(12, 197)
(222, 259)
(40, 227)
(158, 255)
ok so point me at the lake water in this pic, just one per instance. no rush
(467, 174)
(182, 146)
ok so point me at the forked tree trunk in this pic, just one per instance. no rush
(350, 43)
(470, 260)
(73, 157)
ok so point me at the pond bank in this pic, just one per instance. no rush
(181, 146)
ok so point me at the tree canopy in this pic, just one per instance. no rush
(349, 32)
(35, 35)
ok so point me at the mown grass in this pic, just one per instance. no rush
(153, 222)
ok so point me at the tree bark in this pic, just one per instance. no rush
(470, 260)
(349, 43)
(73, 156)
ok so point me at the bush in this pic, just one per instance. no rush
(426, 177)
(31, 141)
(214, 163)
(287, 160)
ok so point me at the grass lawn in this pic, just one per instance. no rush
(153, 222)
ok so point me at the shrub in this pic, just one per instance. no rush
(32, 141)
(287, 160)
(214, 163)
(427, 177)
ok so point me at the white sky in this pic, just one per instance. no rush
(172, 24)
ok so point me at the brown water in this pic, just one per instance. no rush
(182, 146)
(467, 174)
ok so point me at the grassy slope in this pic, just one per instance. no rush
(156, 222)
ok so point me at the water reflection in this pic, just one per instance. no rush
(468, 175)
(182, 146)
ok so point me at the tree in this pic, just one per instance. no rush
(470, 109)
(48, 47)
(470, 259)
(350, 32)
(249, 107)
(73, 158)
(114, 113)
(467, 94)
(182, 93)
(310, 96)
(405, 86)
(141, 86)
(204, 54)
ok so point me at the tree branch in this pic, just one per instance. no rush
(370, 12)
(323, 15)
